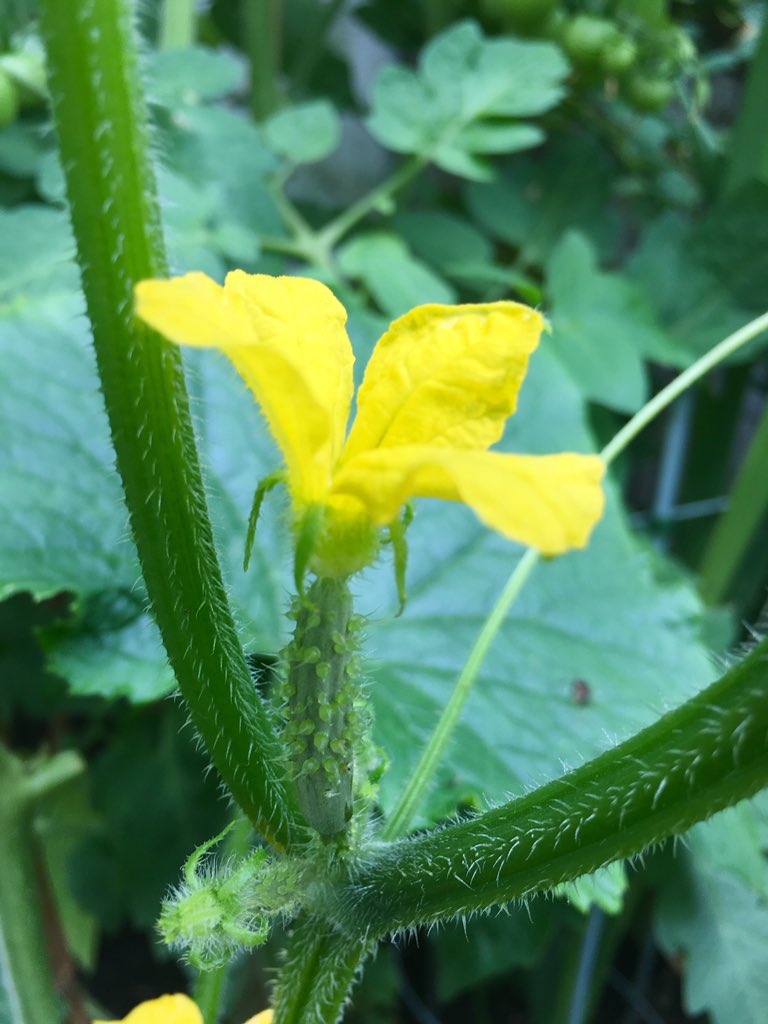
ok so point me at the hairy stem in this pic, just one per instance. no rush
(320, 967)
(700, 758)
(101, 122)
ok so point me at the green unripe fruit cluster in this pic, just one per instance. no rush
(647, 93)
(586, 37)
(645, 58)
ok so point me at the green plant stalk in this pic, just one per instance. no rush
(335, 230)
(24, 969)
(423, 773)
(737, 527)
(26, 985)
(263, 33)
(178, 20)
(101, 122)
(320, 967)
(748, 148)
(313, 43)
(208, 989)
(698, 759)
(681, 383)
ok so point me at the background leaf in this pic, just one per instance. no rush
(603, 328)
(304, 133)
(395, 279)
(452, 110)
(188, 76)
(537, 198)
(714, 910)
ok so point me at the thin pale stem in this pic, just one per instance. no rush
(339, 226)
(177, 24)
(312, 48)
(408, 804)
(681, 383)
(207, 993)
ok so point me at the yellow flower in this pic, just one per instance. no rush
(437, 391)
(176, 1009)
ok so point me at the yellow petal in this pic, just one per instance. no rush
(176, 1009)
(286, 338)
(265, 1017)
(446, 376)
(547, 502)
(192, 310)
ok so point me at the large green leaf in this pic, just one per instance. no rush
(36, 258)
(477, 951)
(64, 525)
(451, 244)
(64, 522)
(714, 909)
(458, 106)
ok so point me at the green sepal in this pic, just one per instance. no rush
(307, 535)
(191, 865)
(397, 530)
(263, 488)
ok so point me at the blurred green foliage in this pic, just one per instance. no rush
(614, 220)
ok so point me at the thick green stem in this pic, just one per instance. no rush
(313, 44)
(263, 33)
(27, 994)
(101, 122)
(737, 526)
(320, 967)
(748, 149)
(706, 755)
